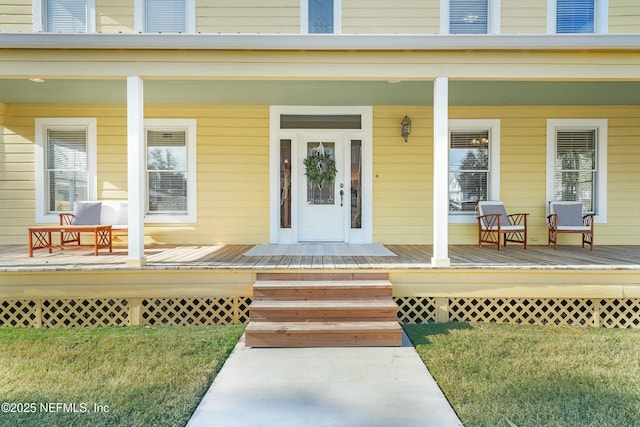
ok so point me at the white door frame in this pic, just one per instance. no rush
(290, 235)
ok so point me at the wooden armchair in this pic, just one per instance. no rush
(498, 228)
(567, 217)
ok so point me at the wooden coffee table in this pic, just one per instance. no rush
(40, 237)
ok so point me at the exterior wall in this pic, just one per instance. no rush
(624, 16)
(403, 172)
(523, 17)
(233, 170)
(402, 176)
(384, 17)
(358, 16)
(114, 16)
(248, 16)
(16, 16)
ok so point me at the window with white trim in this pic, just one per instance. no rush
(64, 16)
(470, 16)
(65, 165)
(576, 163)
(165, 16)
(170, 170)
(321, 16)
(578, 16)
(474, 166)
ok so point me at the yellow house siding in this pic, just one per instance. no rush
(16, 16)
(402, 176)
(114, 16)
(523, 17)
(384, 17)
(17, 187)
(624, 16)
(248, 16)
(402, 181)
(232, 169)
(523, 168)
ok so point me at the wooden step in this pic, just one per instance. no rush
(322, 290)
(323, 334)
(326, 310)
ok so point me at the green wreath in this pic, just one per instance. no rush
(320, 169)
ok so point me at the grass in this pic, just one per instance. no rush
(503, 375)
(135, 376)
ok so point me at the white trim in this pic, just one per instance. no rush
(601, 18)
(139, 13)
(304, 17)
(444, 17)
(135, 169)
(493, 190)
(278, 235)
(440, 172)
(41, 125)
(337, 16)
(493, 17)
(311, 42)
(39, 16)
(601, 127)
(190, 126)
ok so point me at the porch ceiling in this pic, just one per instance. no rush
(270, 92)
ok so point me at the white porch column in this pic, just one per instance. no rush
(440, 173)
(135, 168)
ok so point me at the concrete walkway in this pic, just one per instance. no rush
(318, 387)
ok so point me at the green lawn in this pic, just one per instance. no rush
(504, 375)
(108, 376)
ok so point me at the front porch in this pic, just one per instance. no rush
(205, 284)
(15, 258)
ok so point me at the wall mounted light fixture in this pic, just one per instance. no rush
(406, 128)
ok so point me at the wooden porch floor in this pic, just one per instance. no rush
(14, 258)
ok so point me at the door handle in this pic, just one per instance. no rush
(341, 195)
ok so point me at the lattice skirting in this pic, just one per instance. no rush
(91, 312)
(598, 312)
(85, 312)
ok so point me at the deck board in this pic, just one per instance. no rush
(408, 257)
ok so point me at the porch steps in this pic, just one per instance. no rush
(316, 311)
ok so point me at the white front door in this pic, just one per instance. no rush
(321, 206)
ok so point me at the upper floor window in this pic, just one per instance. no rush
(577, 164)
(575, 16)
(64, 16)
(165, 16)
(578, 16)
(65, 165)
(474, 166)
(470, 16)
(321, 16)
(170, 170)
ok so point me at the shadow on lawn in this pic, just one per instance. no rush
(419, 333)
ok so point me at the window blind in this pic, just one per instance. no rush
(67, 168)
(66, 16)
(575, 178)
(575, 16)
(468, 16)
(166, 16)
(468, 169)
(167, 171)
(67, 149)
